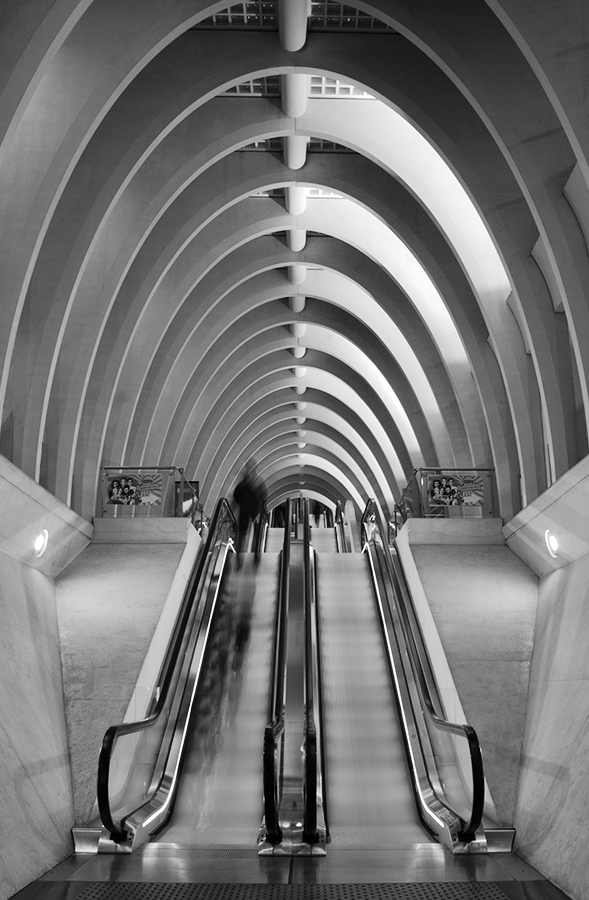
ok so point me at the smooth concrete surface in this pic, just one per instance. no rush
(109, 603)
(37, 804)
(455, 531)
(28, 509)
(483, 601)
(553, 798)
(137, 531)
(562, 510)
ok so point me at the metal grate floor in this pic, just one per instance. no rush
(446, 891)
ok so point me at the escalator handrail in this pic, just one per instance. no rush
(275, 726)
(315, 818)
(340, 532)
(310, 733)
(468, 830)
(261, 531)
(114, 732)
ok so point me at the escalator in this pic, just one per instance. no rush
(398, 773)
(369, 798)
(295, 650)
(190, 772)
(219, 802)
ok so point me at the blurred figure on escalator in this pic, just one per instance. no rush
(316, 510)
(249, 496)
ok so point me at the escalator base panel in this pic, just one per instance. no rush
(159, 891)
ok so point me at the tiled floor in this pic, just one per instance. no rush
(425, 872)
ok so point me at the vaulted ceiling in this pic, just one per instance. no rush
(347, 241)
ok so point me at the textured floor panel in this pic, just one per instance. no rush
(292, 892)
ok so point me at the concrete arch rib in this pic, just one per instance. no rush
(274, 441)
(526, 133)
(546, 211)
(256, 201)
(167, 284)
(541, 41)
(233, 368)
(215, 285)
(271, 418)
(248, 338)
(127, 381)
(266, 399)
(272, 459)
(290, 485)
(87, 308)
(90, 64)
(324, 471)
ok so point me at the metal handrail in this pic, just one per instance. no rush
(340, 532)
(261, 532)
(275, 727)
(315, 826)
(310, 740)
(169, 670)
(467, 832)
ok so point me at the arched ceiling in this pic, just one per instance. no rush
(345, 241)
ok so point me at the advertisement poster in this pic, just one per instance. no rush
(136, 489)
(458, 489)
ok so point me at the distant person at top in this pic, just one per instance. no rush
(317, 509)
(249, 496)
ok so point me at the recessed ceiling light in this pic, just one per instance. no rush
(551, 543)
(41, 543)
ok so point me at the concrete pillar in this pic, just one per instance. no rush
(297, 273)
(297, 303)
(296, 200)
(298, 329)
(296, 239)
(294, 88)
(294, 149)
(292, 24)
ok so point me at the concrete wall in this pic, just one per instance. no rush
(553, 799)
(37, 805)
(35, 785)
(551, 817)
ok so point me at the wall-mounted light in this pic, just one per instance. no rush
(41, 543)
(551, 543)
